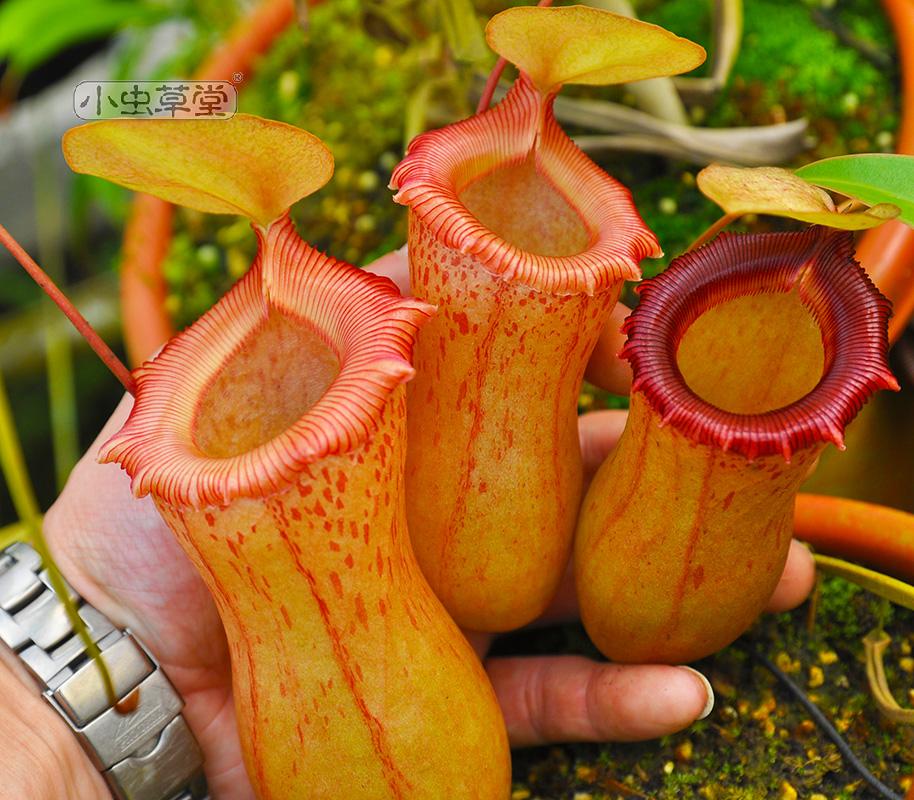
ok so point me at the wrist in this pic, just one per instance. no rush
(41, 758)
(144, 751)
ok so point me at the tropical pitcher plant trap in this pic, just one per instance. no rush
(355, 473)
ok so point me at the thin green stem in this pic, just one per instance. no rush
(711, 232)
(62, 401)
(886, 587)
(59, 356)
(13, 464)
(14, 471)
(16, 532)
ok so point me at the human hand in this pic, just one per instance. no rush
(41, 758)
(116, 551)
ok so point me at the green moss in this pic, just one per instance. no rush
(788, 55)
(757, 737)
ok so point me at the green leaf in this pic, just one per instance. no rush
(871, 178)
(462, 31)
(779, 192)
(31, 33)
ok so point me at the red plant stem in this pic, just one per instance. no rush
(887, 252)
(495, 75)
(248, 39)
(63, 303)
(877, 536)
(147, 325)
(713, 230)
(491, 82)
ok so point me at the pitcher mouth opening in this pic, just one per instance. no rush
(761, 344)
(258, 388)
(510, 188)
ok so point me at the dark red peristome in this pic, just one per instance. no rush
(851, 313)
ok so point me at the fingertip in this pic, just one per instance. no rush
(605, 369)
(707, 691)
(598, 432)
(797, 579)
(393, 265)
(660, 700)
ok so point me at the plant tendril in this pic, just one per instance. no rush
(105, 353)
(495, 75)
(713, 230)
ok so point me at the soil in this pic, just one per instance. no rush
(758, 741)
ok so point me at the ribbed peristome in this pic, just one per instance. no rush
(850, 311)
(441, 163)
(361, 317)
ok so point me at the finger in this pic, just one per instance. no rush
(797, 580)
(598, 432)
(564, 605)
(570, 698)
(394, 265)
(605, 369)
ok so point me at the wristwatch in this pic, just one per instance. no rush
(145, 753)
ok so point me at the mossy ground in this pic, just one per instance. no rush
(758, 742)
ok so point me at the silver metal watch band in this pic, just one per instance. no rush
(146, 754)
